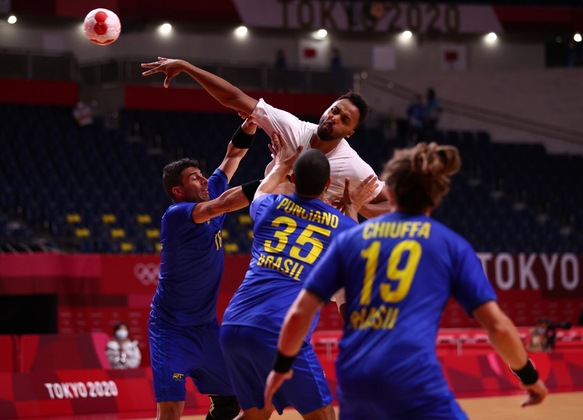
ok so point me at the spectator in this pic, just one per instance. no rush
(280, 60)
(415, 120)
(281, 78)
(432, 110)
(83, 114)
(336, 60)
(341, 76)
(537, 340)
(122, 352)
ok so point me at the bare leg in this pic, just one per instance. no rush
(324, 413)
(169, 410)
(255, 414)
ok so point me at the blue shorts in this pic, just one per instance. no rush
(250, 353)
(179, 352)
(441, 407)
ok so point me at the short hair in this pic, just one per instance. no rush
(119, 325)
(172, 173)
(359, 102)
(420, 176)
(312, 171)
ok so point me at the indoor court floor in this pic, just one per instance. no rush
(560, 406)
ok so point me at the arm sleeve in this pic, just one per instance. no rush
(271, 119)
(254, 209)
(470, 286)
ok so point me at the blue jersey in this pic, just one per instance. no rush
(291, 234)
(192, 262)
(398, 271)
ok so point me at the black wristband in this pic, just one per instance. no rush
(241, 139)
(249, 189)
(528, 374)
(283, 363)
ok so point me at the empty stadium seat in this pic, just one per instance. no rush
(507, 197)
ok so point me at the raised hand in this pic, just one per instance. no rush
(282, 152)
(362, 194)
(169, 66)
(353, 199)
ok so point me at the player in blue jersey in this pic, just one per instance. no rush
(183, 329)
(291, 234)
(398, 271)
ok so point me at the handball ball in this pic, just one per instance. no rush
(102, 26)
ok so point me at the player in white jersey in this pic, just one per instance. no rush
(336, 124)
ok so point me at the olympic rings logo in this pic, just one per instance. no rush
(147, 273)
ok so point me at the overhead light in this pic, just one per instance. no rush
(12, 19)
(321, 33)
(491, 38)
(165, 29)
(406, 35)
(241, 32)
(577, 37)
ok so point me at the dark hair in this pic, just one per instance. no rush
(420, 176)
(118, 326)
(312, 171)
(359, 102)
(172, 173)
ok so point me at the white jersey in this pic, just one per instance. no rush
(124, 355)
(344, 161)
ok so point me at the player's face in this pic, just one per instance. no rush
(194, 185)
(338, 121)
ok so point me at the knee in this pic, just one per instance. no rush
(223, 407)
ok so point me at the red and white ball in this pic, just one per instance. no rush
(102, 26)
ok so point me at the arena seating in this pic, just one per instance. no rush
(98, 188)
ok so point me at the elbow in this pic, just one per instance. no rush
(501, 329)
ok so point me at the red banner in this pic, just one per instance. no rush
(85, 391)
(556, 275)
(93, 288)
(124, 274)
(54, 391)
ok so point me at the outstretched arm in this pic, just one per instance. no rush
(231, 200)
(234, 153)
(239, 197)
(295, 327)
(220, 89)
(505, 339)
